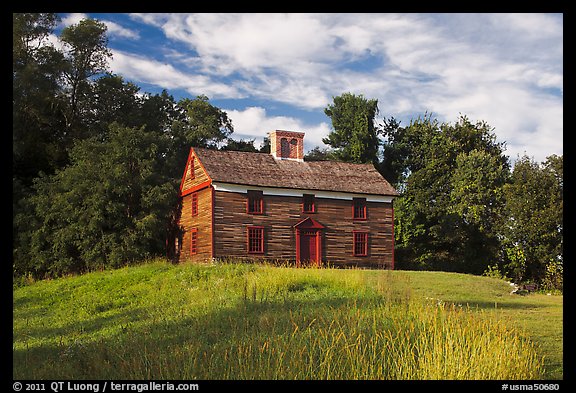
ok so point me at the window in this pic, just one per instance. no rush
(194, 204)
(255, 202)
(308, 203)
(359, 208)
(193, 241)
(255, 240)
(360, 244)
(288, 149)
(284, 148)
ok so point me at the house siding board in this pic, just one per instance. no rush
(281, 213)
(202, 222)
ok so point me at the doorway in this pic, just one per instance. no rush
(308, 242)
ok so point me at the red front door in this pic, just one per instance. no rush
(308, 246)
(308, 241)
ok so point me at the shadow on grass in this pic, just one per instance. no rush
(143, 348)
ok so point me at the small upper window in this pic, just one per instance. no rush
(255, 202)
(359, 208)
(308, 203)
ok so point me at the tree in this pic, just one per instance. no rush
(240, 145)
(532, 228)
(451, 177)
(109, 207)
(96, 164)
(477, 195)
(318, 154)
(86, 54)
(204, 125)
(112, 100)
(355, 136)
(200, 124)
(36, 120)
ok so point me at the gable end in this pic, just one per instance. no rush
(195, 176)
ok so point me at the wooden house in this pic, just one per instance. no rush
(279, 207)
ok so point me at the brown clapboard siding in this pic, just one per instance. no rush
(202, 222)
(280, 215)
(195, 176)
(223, 216)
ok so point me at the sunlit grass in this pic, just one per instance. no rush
(239, 321)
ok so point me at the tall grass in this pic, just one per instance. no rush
(261, 322)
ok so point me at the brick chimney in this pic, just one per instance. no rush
(287, 145)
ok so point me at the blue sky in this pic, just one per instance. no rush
(279, 71)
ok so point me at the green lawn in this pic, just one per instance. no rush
(539, 314)
(238, 321)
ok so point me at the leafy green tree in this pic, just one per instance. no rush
(96, 164)
(53, 97)
(86, 53)
(36, 120)
(451, 178)
(354, 137)
(204, 125)
(477, 189)
(112, 100)
(318, 154)
(393, 165)
(240, 145)
(200, 124)
(109, 207)
(532, 228)
(158, 112)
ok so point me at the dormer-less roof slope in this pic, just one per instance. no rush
(261, 169)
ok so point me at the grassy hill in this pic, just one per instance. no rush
(238, 321)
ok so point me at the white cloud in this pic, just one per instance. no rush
(505, 69)
(114, 29)
(255, 123)
(249, 41)
(72, 19)
(530, 25)
(154, 72)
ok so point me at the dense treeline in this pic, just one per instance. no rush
(462, 208)
(97, 165)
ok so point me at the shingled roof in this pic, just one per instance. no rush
(261, 169)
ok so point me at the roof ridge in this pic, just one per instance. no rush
(262, 169)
